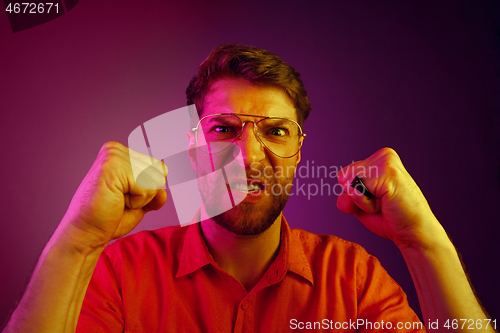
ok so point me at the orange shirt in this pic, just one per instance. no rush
(167, 281)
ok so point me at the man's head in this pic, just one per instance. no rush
(254, 84)
(255, 65)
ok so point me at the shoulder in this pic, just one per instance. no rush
(316, 244)
(329, 254)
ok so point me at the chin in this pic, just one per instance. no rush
(250, 219)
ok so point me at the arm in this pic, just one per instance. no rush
(53, 298)
(443, 289)
(108, 204)
(401, 213)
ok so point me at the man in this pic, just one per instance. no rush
(242, 270)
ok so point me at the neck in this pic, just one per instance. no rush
(246, 258)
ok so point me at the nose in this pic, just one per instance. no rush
(251, 148)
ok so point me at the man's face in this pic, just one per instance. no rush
(263, 190)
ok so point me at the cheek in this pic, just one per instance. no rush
(210, 163)
(284, 171)
(203, 164)
(291, 171)
(291, 166)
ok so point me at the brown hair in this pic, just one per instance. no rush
(253, 64)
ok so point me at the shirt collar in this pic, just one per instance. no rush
(291, 256)
(195, 253)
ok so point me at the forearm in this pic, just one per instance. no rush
(442, 286)
(54, 296)
(107, 205)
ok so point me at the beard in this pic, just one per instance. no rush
(245, 218)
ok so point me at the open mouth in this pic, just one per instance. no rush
(245, 187)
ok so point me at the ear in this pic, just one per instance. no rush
(298, 158)
(191, 152)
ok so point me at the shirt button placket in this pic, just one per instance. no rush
(244, 321)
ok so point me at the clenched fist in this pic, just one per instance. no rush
(110, 201)
(399, 210)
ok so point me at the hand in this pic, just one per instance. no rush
(109, 203)
(399, 210)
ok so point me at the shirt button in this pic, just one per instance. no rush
(244, 306)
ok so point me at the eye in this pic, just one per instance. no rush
(221, 129)
(277, 132)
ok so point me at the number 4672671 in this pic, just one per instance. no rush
(32, 8)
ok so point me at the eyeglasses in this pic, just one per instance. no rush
(216, 132)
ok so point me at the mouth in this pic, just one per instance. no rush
(249, 187)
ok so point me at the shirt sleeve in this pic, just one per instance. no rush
(382, 304)
(102, 309)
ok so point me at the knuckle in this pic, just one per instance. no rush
(111, 145)
(112, 159)
(389, 152)
(388, 156)
(110, 150)
(390, 169)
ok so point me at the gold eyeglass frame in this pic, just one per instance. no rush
(302, 135)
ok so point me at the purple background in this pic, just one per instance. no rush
(418, 76)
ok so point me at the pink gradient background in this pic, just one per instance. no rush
(421, 78)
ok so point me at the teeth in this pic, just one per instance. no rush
(246, 188)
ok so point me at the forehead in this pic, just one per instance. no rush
(241, 96)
